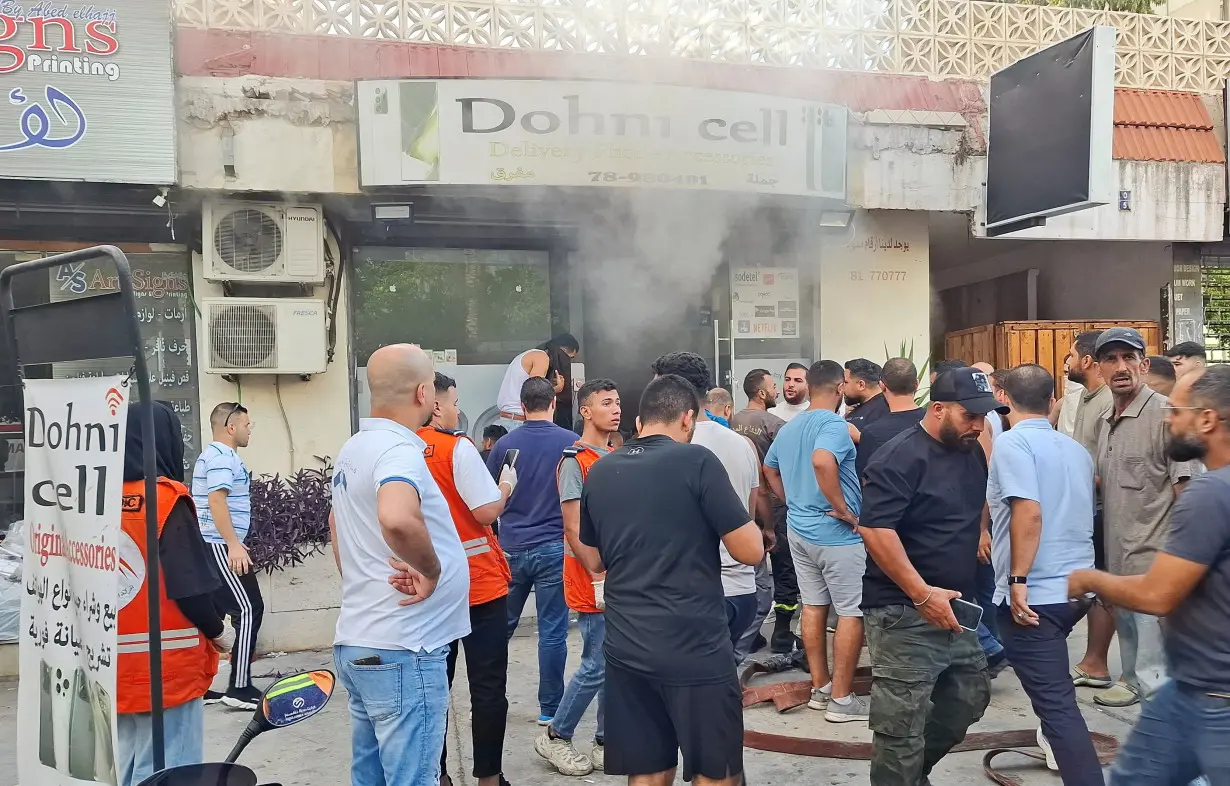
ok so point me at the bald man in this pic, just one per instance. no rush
(390, 517)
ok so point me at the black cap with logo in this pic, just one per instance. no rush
(968, 387)
(1119, 335)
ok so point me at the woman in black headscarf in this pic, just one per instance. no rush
(189, 580)
(561, 349)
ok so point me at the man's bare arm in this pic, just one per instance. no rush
(337, 554)
(1159, 592)
(745, 544)
(222, 517)
(587, 555)
(404, 529)
(773, 477)
(1025, 529)
(824, 464)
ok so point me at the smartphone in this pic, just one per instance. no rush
(81, 729)
(968, 614)
(510, 457)
(46, 719)
(370, 660)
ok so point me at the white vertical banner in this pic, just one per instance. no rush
(75, 431)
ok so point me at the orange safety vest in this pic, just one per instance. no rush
(578, 583)
(489, 573)
(189, 663)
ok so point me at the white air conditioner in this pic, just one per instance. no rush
(265, 243)
(264, 335)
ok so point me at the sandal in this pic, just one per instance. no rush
(1120, 695)
(1083, 679)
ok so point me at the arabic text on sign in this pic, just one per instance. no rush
(35, 124)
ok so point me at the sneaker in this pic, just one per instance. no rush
(544, 720)
(1051, 764)
(1119, 695)
(213, 697)
(248, 698)
(598, 756)
(819, 699)
(562, 756)
(859, 709)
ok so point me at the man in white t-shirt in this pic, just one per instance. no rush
(794, 393)
(391, 642)
(742, 465)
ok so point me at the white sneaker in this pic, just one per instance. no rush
(598, 757)
(819, 699)
(563, 756)
(858, 709)
(1051, 764)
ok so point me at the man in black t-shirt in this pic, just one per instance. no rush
(924, 499)
(864, 393)
(652, 516)
(900, 382)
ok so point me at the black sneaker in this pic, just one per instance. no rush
(213, 697)
(248, 698)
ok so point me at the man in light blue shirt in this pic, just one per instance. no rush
(220, 489)
(811, 465)
(1041, 494)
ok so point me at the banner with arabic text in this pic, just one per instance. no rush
(88, 91)
(75, 431)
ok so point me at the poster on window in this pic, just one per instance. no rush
(765, 302)
(71, 570)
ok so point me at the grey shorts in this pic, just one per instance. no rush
(830, 575)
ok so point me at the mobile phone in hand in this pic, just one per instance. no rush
(510, 457)
(968, 615)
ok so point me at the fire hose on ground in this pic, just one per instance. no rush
(788, 695)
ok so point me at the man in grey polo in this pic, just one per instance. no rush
(1138, 483)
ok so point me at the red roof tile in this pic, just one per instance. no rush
(1164, 125)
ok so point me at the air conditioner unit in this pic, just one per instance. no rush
(264, 335)
(266, 243)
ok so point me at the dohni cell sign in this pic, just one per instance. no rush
(605, 134)
(87, 91)
(72, 569)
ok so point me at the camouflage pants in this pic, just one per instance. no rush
(929, 687)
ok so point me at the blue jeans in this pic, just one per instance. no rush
(183, 741)
(541, 569)
(740, 612)
(1182, 733)
(587, 683)
(398, 715)
(988, 629)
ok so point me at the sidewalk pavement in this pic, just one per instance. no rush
(317, 751)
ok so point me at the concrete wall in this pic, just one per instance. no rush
(875, 287)
(1169, 201)
(1079, 279)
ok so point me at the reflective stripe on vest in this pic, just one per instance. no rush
(578, 583)
(489, 573)
(189, 663)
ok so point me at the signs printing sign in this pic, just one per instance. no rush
(87, 91)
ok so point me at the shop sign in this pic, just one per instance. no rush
(605, 134)
(765, 302)
(72, 567)
(88, 91)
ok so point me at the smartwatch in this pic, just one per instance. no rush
(1017, 580)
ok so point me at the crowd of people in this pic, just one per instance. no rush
(954, 534)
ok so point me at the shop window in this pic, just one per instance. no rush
(485, 305)
(162, 284)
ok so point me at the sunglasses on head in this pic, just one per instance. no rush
(235, 408)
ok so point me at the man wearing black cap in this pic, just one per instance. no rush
(1139, 483)
(924, 507)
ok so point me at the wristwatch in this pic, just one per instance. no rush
(1017, 580)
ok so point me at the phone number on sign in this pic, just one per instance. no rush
(649, 177)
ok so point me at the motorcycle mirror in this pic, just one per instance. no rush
(291, 699)
(296, 698)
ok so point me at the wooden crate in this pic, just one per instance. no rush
(1009, 344)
